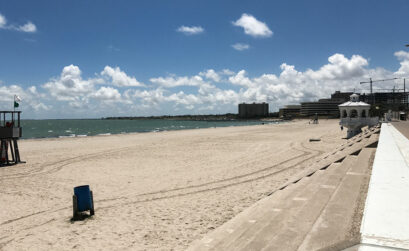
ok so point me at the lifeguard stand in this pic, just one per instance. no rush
(10, 132)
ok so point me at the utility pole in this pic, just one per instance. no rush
(370, 81)
(372, 95)
(404, 92)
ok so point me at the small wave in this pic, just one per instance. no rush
(104, 134)
(67, 136)
(50, 131)
(68, 131)
(82, 135)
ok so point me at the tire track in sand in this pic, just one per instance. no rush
(188, 190)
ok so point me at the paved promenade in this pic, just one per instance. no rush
(386, 216)
(402, 127)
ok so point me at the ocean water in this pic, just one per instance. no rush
(89, 127)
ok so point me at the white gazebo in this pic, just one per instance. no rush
(355, 115)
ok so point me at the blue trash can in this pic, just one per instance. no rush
(83, 200)
(83, 194)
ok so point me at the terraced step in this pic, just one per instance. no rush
(246, 223)
(284, 231)
(298, 215)
(338, 225)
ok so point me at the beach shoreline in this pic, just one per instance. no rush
(34, 129)
(151, 190)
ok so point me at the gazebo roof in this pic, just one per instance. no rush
(354, 104)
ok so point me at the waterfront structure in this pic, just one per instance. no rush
(253, 110)
(355, 115)
(10, 132)
(290, 111)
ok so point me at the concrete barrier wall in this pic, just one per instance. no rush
(386, 216)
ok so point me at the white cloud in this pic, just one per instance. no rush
(30, 98)
(210, 91)
(107, 94)
(3, 21)
(227, 72)
(252, 26)
(169, 82)
(402, 55)
(240, 46)
(340, 67)
(28, 27)
(112, 48)
(192, 30)
(403, 71)
(211, 74)
(241, 79)
(119, 78)
(288, 87)
(70, 86)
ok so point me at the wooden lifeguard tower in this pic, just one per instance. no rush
(10, 132)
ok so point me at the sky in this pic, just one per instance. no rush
(92, 59)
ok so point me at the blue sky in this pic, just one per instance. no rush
(136, 58)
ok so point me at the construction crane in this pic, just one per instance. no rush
(373, 81)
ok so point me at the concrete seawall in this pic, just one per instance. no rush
(386, 217)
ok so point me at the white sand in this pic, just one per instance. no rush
(151, 190)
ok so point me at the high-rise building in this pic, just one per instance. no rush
(253, 110)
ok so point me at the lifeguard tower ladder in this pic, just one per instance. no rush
(10, 132)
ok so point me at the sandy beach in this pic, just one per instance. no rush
(152, 191)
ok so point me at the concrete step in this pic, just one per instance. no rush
(242, 223)
(338, 225)
(280, 221)
(248, 222)
(287, 231)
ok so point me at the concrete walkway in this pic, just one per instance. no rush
(319, 209)
(403, 127)
(385, 225)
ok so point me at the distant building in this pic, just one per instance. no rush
(341, 96)
(253, 110)
(325, 107)
(290, 111)
(381, 102)
(391, 98)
